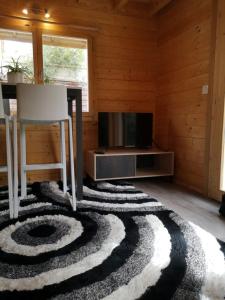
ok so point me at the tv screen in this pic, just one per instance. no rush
(125, 129)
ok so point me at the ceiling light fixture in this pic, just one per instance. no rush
(25, 11)
(47, 15)
(36, 11)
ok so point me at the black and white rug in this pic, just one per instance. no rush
(120, 245)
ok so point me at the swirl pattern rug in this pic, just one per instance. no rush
(120, 244)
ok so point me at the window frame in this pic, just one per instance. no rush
(37, 30)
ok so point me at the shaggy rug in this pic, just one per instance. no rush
(120, 244)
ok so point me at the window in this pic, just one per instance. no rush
(65, 59)
(16, 46)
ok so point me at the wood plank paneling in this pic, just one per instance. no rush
(139, 64)
(184, 43)
(124, 68)
(217, 112)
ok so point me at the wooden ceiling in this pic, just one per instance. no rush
(154, 6)
(133, 8)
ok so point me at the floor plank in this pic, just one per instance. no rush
(191, 206)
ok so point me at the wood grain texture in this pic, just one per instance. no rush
(184, 41)
(140, 64)
(124, 65)
(157, 5)
(121, 3)
(217, 113)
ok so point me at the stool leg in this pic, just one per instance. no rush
(23, 161)
(72, 165)
(9, 167)
(63, 155)
(15, 159)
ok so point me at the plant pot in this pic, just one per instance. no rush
(15, 77)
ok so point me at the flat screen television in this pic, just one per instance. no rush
(117, 129)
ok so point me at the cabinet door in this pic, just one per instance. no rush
(115, 166)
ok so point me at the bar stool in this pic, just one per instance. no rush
(8, 168)
(44, 104)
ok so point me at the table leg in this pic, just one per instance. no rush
(79, 145)
(79, 149)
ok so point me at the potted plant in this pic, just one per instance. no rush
(47, 79)
(16, 71)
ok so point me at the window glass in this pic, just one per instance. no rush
(16, 49)
(65, 62)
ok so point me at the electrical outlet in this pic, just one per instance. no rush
(205, 89)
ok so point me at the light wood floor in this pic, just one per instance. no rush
(191, 206)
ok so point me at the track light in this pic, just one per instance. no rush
(36, 11)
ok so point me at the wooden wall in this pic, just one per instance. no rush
(139, 64)
(185, 46)
(216, 173)
(123, 69)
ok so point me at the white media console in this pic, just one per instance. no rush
(129, 163)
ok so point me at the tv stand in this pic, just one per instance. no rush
(125, 163)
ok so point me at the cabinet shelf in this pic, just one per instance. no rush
(129, 163)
